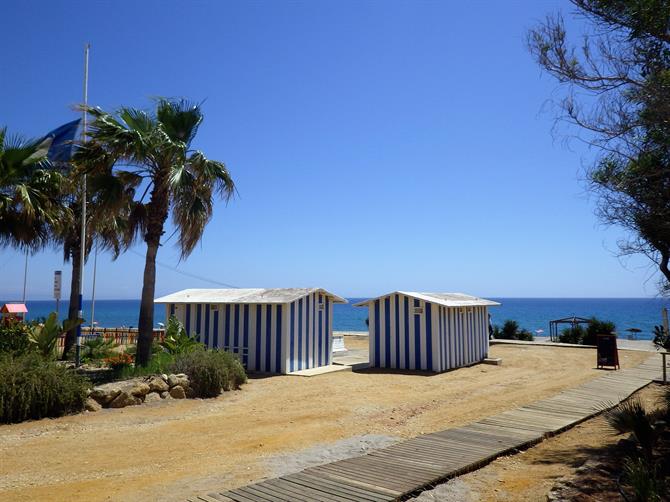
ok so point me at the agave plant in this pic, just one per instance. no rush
(44, 336)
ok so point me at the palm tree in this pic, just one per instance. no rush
(109, 203)
(153, 151)
(30, 193)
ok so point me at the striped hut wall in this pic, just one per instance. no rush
(254, 331)
(462, 336)
(309, 332)
(401, 339)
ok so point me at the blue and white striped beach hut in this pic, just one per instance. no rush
(427, 331)
(274, 330)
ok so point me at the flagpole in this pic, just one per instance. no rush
(95, 273)
(82, 240)
(25, 278)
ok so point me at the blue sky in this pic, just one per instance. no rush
(376, 145)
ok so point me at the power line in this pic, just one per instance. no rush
(187, 274)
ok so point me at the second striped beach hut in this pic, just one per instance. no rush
(427, 331)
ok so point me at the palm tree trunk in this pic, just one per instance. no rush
(146, 322)
(73, 308)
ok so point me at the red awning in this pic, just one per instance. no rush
(14, 308)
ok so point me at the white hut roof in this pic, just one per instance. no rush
(446, 299)
(243, 295)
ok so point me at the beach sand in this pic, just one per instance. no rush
(173, 449)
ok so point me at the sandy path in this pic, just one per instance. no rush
(169, 450)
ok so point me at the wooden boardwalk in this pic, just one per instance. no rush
(409, 466)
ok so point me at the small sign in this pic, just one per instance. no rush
(608, 354)
(57, 284)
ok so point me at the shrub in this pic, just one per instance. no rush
(595, 328)
(33, 388)
(159, 363)
(511, 331)
(210, 371)
(14, 337)
(97, 349)
(573, 334)
(119, 362)
(177, 340)
(643, 480)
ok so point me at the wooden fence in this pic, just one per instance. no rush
(121, 336)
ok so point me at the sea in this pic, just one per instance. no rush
(533, 314)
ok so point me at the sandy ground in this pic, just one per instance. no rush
(529, 475)
(172, 449)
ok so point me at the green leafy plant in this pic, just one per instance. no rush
(97, 349)
(574, 334)
(44, 337)
(511, 331)
(176, 340)
(32, 388)
(643, 479)
(14, 337)
(161, 362)
(597, 327)
(210, 371)
(661, 338)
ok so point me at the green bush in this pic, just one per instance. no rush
(32, 388)
(512, 331)
(14, 338)
(97, 348)
(574, 334)
(595, 328)
(586, 336)
(161, 362)
(210, 371)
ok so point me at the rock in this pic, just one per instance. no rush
(152, 397)
(92, 405)
(165, 394)
(136, 388)
(177, 392)
(164, 377)
(180, 379)
(125, 399)
(104, 394)
(157, 384)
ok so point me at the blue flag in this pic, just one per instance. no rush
(61, 140)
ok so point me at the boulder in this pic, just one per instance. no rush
(136, 388)
(105, 394)
(165, 394)
(152, 397)
(177, 392)
(125, 399)
(180, 379)
(92, 405)
(157, 384)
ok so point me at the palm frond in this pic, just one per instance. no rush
(179, 119)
